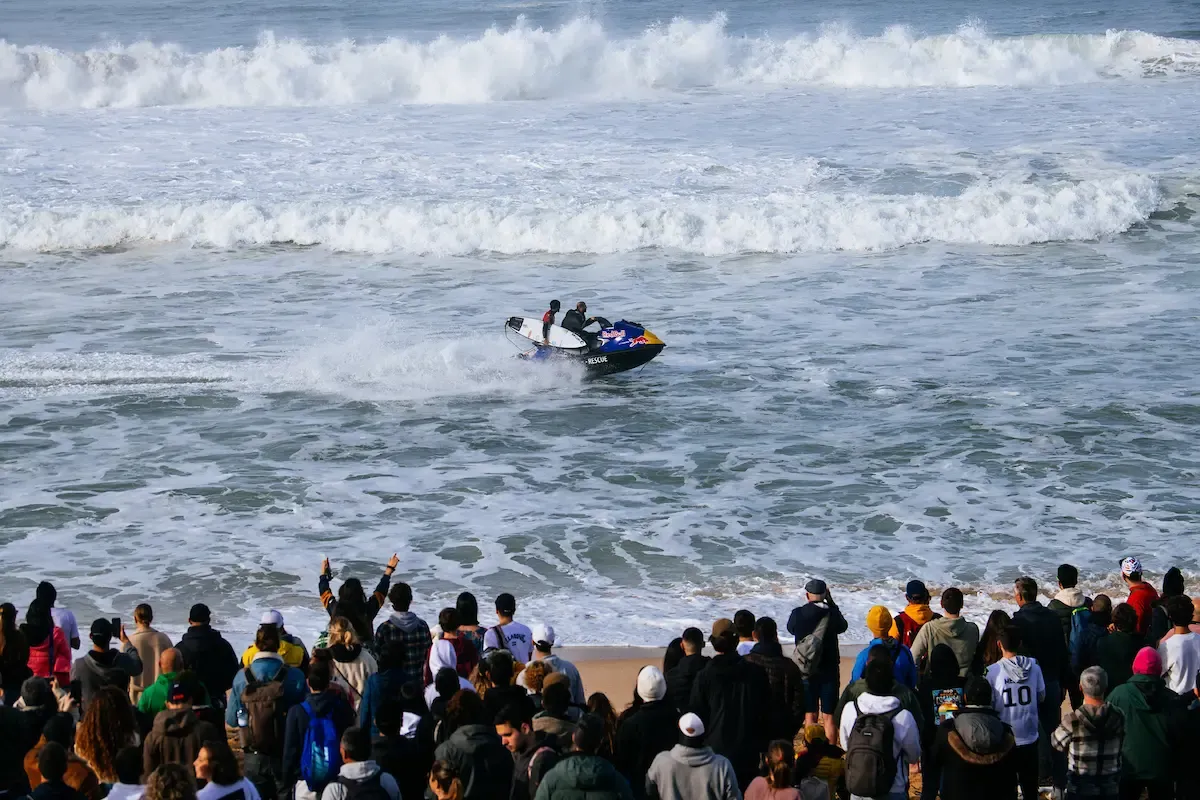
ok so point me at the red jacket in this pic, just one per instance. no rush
(1142, 596)
(39, 656)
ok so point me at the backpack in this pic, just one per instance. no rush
(813, 788)
(871, 766)
(908, 628)
(366, 789)
(320, 755)
(263, 701)
(810, 649)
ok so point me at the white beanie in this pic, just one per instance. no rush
(691, 725)
(651, 685)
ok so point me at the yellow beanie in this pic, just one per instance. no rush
(879, 621)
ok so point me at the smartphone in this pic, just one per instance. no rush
(116, 626)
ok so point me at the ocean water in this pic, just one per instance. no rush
(928, 274)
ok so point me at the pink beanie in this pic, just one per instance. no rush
(1147, 662)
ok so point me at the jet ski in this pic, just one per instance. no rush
(616, 347)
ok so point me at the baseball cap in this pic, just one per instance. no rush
(816, 586)
(102, 627)
(272, 617)
(691, 725)
(722, 627)
(543, 635)
(916, 589)
(1130, 565)
(200, 613)
(178, 693)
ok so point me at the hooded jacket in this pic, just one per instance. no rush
(327, 703)
(584, 777)
(1146, 703)
(691, 773)
(352, 667)
(787, 689)
(150, 645)
(96, 670)
(906, 747)
(380, 687)
(918, 614)
(1093, 739)
(733, 698)
(465, 654)
(1042, 638)
(680, 679)
(79, 775)
(360, 772)
(412, 634)
(958, 634)
(1115, 653)
(904, 669)
(266, 667)
(482, 762)
(210, 657)
(1085, 640)
(652, 729)
(907, 697)
(441, 656)
(1064, 605)
(1017, 689)
(292, 655)
(971, 759)
(176, 738)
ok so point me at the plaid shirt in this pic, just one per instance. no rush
(1092, 737)
(414, 639)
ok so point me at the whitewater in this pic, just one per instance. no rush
(927, 281)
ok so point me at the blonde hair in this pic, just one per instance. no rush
(780, 760)
(341, 631)
(535, 676)
(108, 725)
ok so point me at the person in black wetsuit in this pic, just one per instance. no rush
(548, 320)
(577, 319)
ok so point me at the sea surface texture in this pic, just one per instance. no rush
(928, 273)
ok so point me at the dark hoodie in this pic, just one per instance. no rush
(211, 658)
(176, 738)
(481, 761)
(971, 759)
(406, 760)
(680, 679)
(96, 670)
(585, 776)
(326, 703)
(652, 729)
(733, 698)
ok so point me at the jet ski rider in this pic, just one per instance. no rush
(576, 319)
(548, 320)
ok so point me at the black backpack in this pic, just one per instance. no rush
(367, 789)
(871, 765)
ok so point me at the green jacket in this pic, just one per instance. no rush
(1147, 705)
(154, 699)
(580, 777)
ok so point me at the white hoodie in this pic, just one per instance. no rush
(907, 740)
(441, 656)
(1017, 689)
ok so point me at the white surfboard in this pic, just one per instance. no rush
(531, 329)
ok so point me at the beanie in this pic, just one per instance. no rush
(651, 685)
(1147, 662)
(879, 621)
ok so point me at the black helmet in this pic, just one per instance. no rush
(555, 305)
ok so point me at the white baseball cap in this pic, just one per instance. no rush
(543, 633)
(272, 617)
(691, 725)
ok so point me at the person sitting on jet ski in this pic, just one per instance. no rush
(576, 319)
(548, 320)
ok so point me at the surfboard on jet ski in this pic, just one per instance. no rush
(616, 347)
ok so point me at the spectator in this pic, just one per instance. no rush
(733, 697)
(598, 705)
(60, 730)
(403, 748)
(217, 764)
(207, 654)
(907, 697)
(352, 665)
(129, 775)
(690, 770)
(108, 727)
(585, 774)
(292, 654)
(171, 782)
(973, 755)
(1092, 736)
(1043, 639)
(275, 618)
(1180, 653)
(1088, 628)
(37, 706)
(961, 636)
(674, 653)
(360, 776)
(150, 645)
(988, 652)
(444, 782)
(1018, 688)
(353, 603)
(544, 639)
(323, 702)
(1160, 623)
(1147, 705)
(63, 618)
(533, 678)
(783, 676)
(513, 636)
(743, 625)
(1194, 627)
(52, 763)
(177, 735)
(908, 623)
(554, 717)
(384, 684)
(1069, 600)
(942, 693)
(14, 656)
(534, 753)
(408, 630)
(683, 674)
(441, 656)
(1116, 651)
(465, 651)
(817, 758)
(879, 622)
(49, 651)
(650, 726)
(502, 691)
(906, 741)
(777, 784)
(1142, 595)
(154, 698)
(822, 682)
(474, 751)
(14, 782)
(104, 666)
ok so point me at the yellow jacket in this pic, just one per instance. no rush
(292, 655)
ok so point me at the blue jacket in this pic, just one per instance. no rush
(905, 669)
(804, 620)
(295, 687)
(380, 686)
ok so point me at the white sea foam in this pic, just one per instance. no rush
(1005, 212)
(578, 59)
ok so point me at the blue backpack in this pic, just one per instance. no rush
(320, 758)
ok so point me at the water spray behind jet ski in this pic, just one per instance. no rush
(615, 347)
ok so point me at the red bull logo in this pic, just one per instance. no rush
(637, 341)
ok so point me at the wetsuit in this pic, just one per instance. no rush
(547, 321)
(574, 321)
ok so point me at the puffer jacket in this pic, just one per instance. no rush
(292, 655)
(971, 759)
(581, 777)
(176, 738)
(691, 773)
(39, 655)
(482, 762)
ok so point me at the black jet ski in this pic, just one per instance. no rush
(616, 347)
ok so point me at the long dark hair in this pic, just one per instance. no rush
(13, 647)
(225, 770)
(39, 624)
(989, 642)
(602, 707)
(468, 609)
(673, 655)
